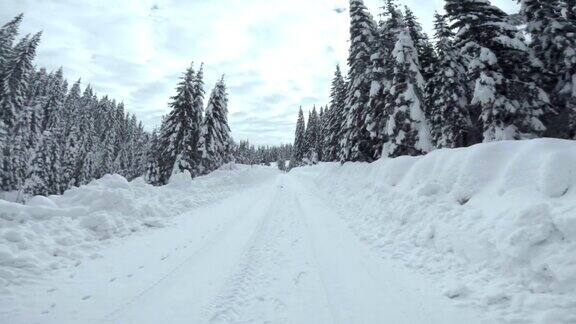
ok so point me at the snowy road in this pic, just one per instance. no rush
(275, 253)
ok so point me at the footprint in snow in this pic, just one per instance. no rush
(113, 279)
(86, 297)
(299, 277)
(164, 258)
(130, 276)
(51, 290)
(48, 310)
(141, 267)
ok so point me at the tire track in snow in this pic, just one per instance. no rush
(300, 212)
(364, 287)
(193, 258)
(275, 281)
(236, 292)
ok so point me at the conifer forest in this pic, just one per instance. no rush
(300, 161)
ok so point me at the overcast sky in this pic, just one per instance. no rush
(276, 54)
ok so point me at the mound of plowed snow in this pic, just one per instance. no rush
(59, 231)
(494, 223)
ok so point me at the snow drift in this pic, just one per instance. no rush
(59, 231)
(495, 224)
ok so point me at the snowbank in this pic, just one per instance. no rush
(495, 224)
(59, 231)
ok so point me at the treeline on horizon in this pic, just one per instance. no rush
(483, 79)
(54, 136)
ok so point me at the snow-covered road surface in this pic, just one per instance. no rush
(272, 253)
(482, 234)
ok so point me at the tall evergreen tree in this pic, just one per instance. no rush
(22, 145)
(14, 85)
(312, 138)
(335, 117)
(406, 129)
(215, 141)
(381, 74)
(13, 90)
(152, 175)
(180, 131)
(449, 119)
(321, 132)
(553, 42)
(38, 181)
(299, 140)
(8, 34)
(356, 143)
(424, 48)
(505, 100)
(191, 157)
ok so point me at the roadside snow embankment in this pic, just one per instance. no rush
(494, 224)
(59, 231)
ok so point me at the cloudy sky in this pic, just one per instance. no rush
(276, 54)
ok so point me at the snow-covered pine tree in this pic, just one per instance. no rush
(355, 144)
(105, 147)
(45, 170)
(121, 141)
(299, 140)
(55, 97)
(326, 134)
(8, 34)
(138, 149)
(506, 102)
(448, 116)
(335, 117)
(22, 145)
(152, 175)
(552, 38)
(407, 129)
(54, 131)
(215, 141)
(180, 130)
(242, 152)
(281, 164)
(14, 85)
(308, 137)
(381, 75)
(38, 181)
(86, 164)
(176, 127)
(13, 90)
(321, 131)
(191, 156)
(424, 48)
(312, 138)
(44, 177)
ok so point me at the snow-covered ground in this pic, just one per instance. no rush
(61, 231)
(494, 226)
(479, 235)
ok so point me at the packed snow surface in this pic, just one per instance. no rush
(485, 234)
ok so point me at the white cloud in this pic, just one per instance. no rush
(276, 54)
